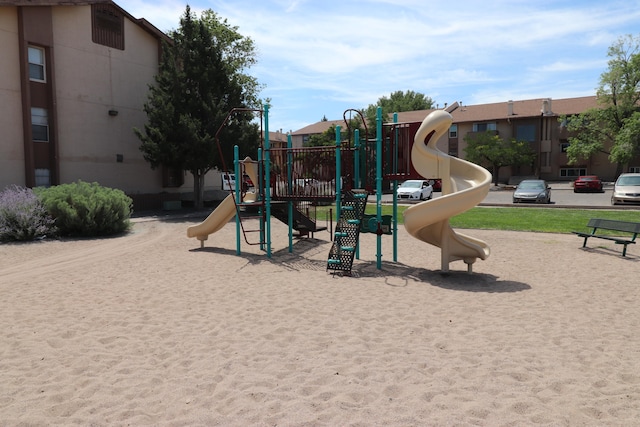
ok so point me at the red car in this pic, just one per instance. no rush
(436, 184)
(587, 183)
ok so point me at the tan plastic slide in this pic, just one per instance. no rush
(464, 185)
(226, 209)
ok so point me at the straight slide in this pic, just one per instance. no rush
(215, 221)
(226, 209)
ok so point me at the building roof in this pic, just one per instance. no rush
(277, 136)
(51, 2)
(318, 127)
(483, 112)
(522, 109)
(143, 23)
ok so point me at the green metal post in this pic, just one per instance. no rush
(379, 184)
(267, 178)
(338, 172)
(289, 187)
(356, 170)
(356, 160)
(261, 211)
(395, 191)
(236, 171)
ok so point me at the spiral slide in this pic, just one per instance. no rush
(226, 210)
(464, 185)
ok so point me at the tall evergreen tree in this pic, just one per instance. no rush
(194, 91)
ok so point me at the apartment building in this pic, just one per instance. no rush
(533, 120)
(74, 79)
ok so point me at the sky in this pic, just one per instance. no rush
(318, 58)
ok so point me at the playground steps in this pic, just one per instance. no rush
(251, 210)
(345, 242)
(302, 223)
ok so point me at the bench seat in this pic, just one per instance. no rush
(597, 224)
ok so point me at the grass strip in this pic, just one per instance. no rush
(545, 220)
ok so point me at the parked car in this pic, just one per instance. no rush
(229, 182)
(436, 184)
(532, 190)
(626, 190)
(587, 183)
(415, 189)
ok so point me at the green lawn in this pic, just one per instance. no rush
(545, 220)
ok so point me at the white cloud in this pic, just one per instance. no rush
(354, 52)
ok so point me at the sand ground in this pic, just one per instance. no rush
(148, 329)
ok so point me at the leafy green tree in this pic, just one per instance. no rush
(613, 127)
(492, 152)
(328, 137)
(200, 80)
(397, 102)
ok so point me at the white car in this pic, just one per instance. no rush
(415, 189)
(626, 190)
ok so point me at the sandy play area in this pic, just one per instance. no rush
(147, 329)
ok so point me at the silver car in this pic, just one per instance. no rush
(533, 191)
(626, 190)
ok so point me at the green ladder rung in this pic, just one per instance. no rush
(353, 221)
(360, 195)
(347, 248)
(334, 261)
(347, 208)
(340, 234)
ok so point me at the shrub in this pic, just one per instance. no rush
(87, 209)
(22, 215)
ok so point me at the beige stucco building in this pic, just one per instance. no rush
(74, 79)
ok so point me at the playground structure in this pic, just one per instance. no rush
(290, 182)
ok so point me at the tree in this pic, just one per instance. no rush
(200, 80)
(397, 102)
(328, 137)
(493, 152)
(613, 128)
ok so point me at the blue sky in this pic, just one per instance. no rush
(319, 58)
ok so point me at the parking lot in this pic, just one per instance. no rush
(562, 195)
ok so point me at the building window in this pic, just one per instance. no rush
(43, 178)
(39, 125)
(572, 172)
(634, 169)
(484, 127)
(453, 131)
(36, 64)
(563, 146)
(107, 22)
(526, 133)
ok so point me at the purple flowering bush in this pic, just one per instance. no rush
(23, 216)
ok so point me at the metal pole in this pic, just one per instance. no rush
(338, 172)
(379, 183)
(289, 187)
(267, 177)
(261, 211)
(236, 171)
(395, 191)
(356, 160)
(356, 170)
